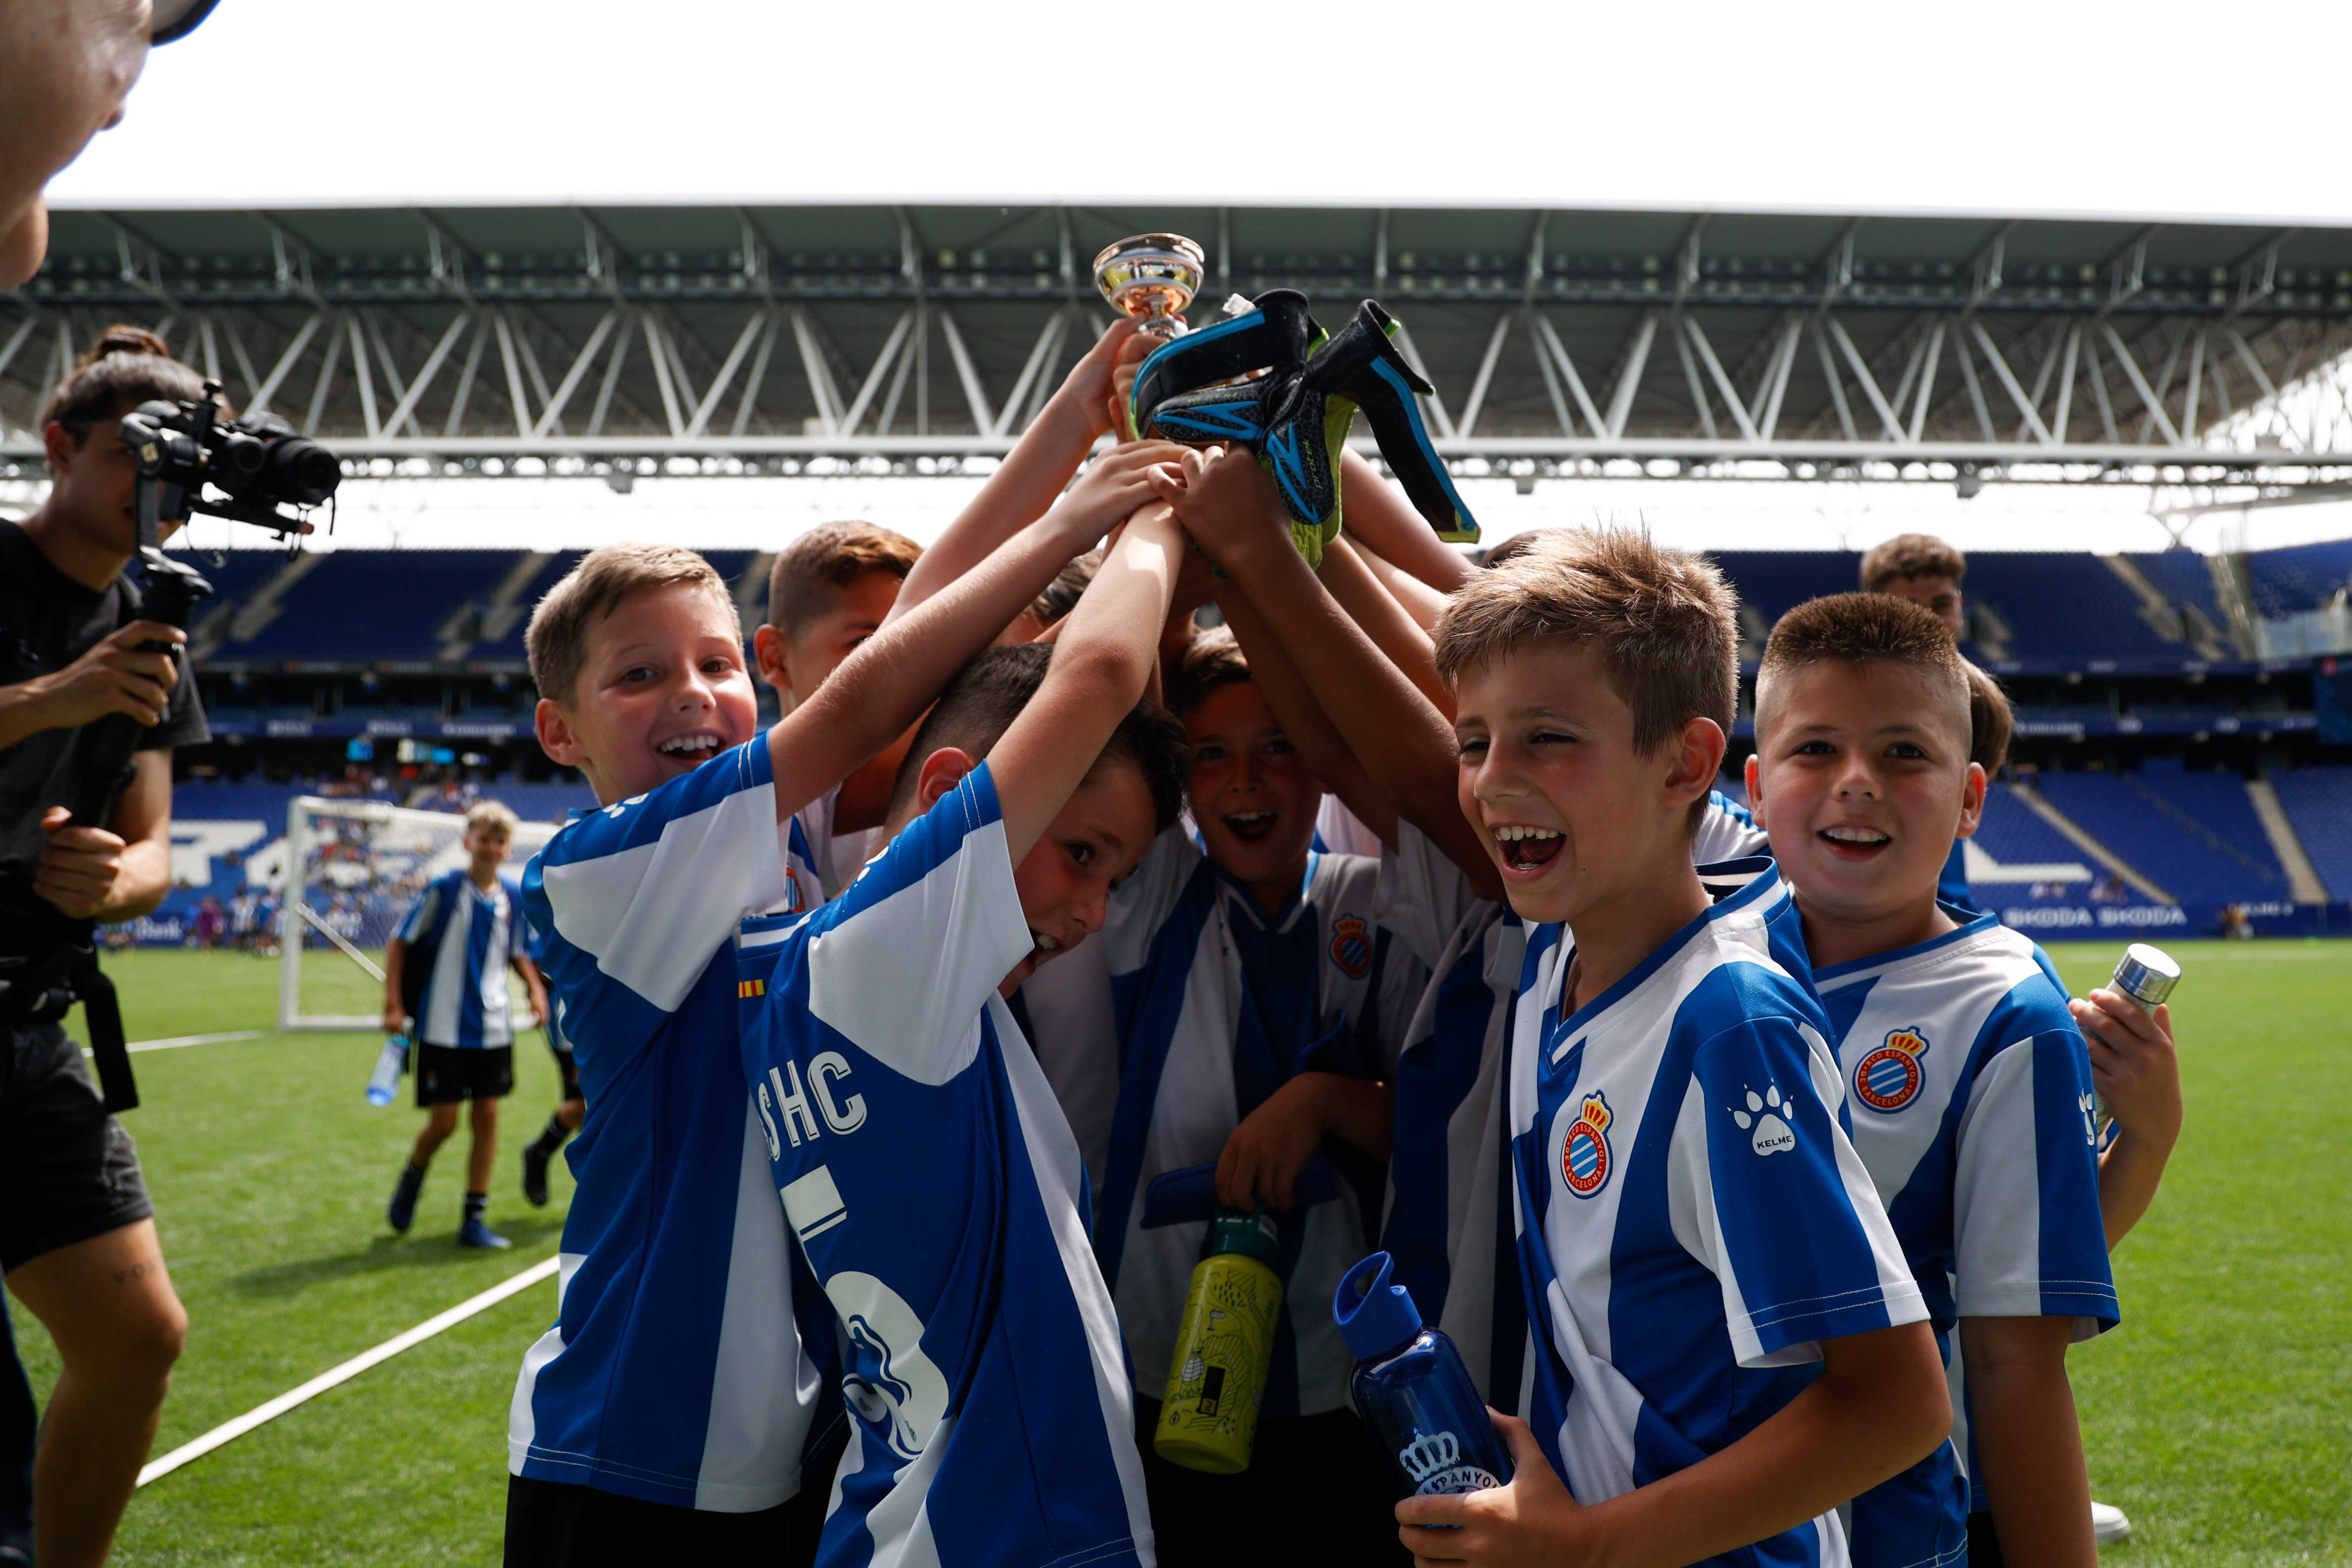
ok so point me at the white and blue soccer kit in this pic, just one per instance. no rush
(686, 1363)
(1216, 1005)
(1692, 1219)
(1448, 1215)
(1970, 1091)
(465, 1004)
(939, 1197)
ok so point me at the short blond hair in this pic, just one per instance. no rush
(557, 638)
(830, 557)
(1664, 621)
(492, 814)
(1909, 557)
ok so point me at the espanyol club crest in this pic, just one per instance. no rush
(1584, 1156)
(1889, 1078)
(1351, 946)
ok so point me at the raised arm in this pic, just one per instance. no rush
(884, 686)
(1378, 514)
(1418, 599)
(1405, 745)
(1101, 664)
(1402, 640)
(1040, 464)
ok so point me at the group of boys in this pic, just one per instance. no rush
(1718, 1142)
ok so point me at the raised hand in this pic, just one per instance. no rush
(1110, 491)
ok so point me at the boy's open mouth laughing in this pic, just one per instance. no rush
(1526, 849)
(1251, 826)
(1854, 841)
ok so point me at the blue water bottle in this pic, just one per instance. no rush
(390, 1063)
(1412, 1390)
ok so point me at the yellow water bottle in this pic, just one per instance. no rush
(1217, 1380)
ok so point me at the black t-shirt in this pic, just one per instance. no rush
(47, 621)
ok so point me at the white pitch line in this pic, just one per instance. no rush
(175, 1041)
(229, 1431)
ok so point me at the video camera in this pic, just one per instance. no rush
(259, 464)
(257, 470)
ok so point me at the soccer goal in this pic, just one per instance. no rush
(353, 868)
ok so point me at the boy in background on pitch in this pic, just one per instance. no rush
(936, 1191)
(463, 1030)
(1727, 1344)
(1969, 1083)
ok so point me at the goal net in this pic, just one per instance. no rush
(353, 869)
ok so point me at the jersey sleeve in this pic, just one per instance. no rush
(905, 959)
(1149, 896)
(633, 899)
(807, 846)
(1421, 894)
(424, 911)
(2028, 1239)
(1781, 1208)
(1726, 831)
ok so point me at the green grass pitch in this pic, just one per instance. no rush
(2218, 1415)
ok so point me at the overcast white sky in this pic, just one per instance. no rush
(2062, 106)
(2054, 106)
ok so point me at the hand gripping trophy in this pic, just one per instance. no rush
(1273, 380)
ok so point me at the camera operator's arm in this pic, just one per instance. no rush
(121, 870)
(113, 677)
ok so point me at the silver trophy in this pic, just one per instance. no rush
(1151, 277)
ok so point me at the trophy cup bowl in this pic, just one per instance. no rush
(1151, 277)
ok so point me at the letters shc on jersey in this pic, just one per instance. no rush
(791, 1107)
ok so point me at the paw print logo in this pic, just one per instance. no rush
(1769, 1133)
(2088, 1104)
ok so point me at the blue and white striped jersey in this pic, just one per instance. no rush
(1692, 1218)
(1215, 1007)
(1970, 1092)
(466, 1003)
(685, 1365)
(939, 1196)
(1447, 1222)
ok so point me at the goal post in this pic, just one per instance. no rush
(353, 868)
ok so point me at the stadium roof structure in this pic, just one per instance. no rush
(827, 339)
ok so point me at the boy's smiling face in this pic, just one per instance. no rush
(662, 691)
(1862, 778)
(1254, 802)
(1573, 815)
(486, 850)
(1065, 879)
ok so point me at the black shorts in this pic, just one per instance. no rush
(445, 1074)
(553, 1524)
(67, 1170)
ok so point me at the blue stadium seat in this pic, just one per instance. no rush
(2195, 835)
(2180, 575)
(2066, 607)
(2301, 577)
(2318, 802)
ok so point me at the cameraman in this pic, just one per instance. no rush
(77, 1243)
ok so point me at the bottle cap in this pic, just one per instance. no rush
(2146, 974)
(1252, 1235)
(1374, 1316)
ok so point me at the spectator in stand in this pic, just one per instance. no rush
(211, 921)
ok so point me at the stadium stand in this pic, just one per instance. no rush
(2059, 605)
(2301, 577)
(2318, 802)
(2183, 577)
(2194, 834)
